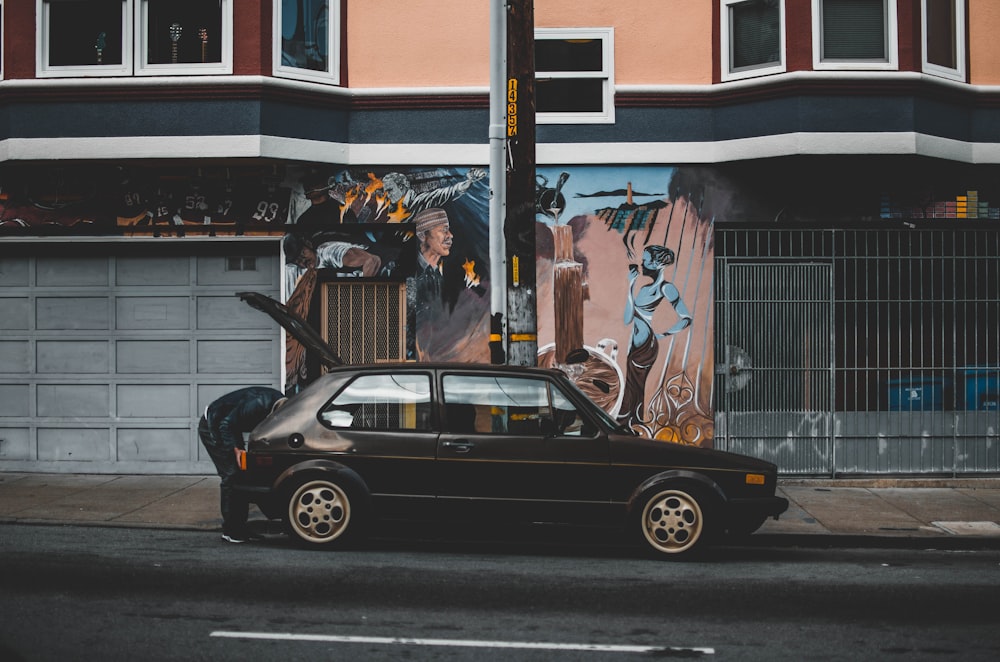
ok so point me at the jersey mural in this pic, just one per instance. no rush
(625, 294)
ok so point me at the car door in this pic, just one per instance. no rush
(381, 425)
(516, 447)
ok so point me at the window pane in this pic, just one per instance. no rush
(569, 95)
(941, 47)
(509, 405)
(305, 34)
(854, 29)
(382, 402)
(183, 31)
(569, 55)
(755, 33)
(84, 33)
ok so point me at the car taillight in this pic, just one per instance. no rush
(241, 458)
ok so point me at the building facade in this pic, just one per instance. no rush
(768, 226)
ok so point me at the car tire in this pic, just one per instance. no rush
(321, 512)
(674, 520)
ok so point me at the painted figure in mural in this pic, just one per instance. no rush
(424, 288)
(639, 309)
(326, 202)
(301, 256)
(400, 194)
(221, 431)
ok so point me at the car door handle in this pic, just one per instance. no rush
(460, 446)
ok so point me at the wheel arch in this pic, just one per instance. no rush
(673, 476)
(323, 468)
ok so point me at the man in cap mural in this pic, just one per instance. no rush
(435, 237)
(424, 288)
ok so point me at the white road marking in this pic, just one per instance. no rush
(467, 643)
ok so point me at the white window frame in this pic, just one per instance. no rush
(3, 22)
(143, 68)
(133, 39)
(332, 76)
(607, 74)
(726, 44)
(890, 63)
(44, 70)
(958, 73)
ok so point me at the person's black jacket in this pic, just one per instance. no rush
(238, 412)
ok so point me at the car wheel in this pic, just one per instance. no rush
(320, 512)
(673, 521)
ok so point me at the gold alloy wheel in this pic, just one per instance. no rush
(672, 522)
(319, 511)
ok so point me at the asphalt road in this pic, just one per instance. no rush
(80, 593)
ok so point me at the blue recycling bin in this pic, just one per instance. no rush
(916, 394)
(982, 389)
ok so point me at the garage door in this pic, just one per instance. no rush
(109, 353)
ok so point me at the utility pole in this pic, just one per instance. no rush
(519, 223)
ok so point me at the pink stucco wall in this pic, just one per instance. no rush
(984, 55)
(418, 44)
(447, 42)
(664, 42)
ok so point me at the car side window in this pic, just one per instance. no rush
(480, 404)
(381, 402)
(567, 418)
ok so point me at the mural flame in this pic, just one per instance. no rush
(471, 279)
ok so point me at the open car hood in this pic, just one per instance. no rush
(294, 325)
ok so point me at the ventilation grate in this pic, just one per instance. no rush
(365, 322)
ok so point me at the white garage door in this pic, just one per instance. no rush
(109, 353)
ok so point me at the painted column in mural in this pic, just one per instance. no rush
(635, 275)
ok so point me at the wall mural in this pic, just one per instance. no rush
(428, 228)
(625, 294)
(624, 260)
(625, 254)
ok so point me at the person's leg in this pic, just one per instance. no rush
(232, 505)
(235, 507)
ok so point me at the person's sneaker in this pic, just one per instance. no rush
(233, 537)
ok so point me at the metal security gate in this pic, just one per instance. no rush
(860, 351)
(774, 370)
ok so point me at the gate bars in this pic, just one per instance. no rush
(859, 351)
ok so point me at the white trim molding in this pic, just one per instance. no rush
(638, 153)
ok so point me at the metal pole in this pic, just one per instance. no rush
(498, 178)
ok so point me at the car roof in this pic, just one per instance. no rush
(411, 366)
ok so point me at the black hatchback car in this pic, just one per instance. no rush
(421, 442)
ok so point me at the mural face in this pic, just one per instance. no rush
(428, 228)
(625, 294)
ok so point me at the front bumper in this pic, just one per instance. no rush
(757, 507)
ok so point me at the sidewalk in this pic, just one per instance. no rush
(826, 512)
